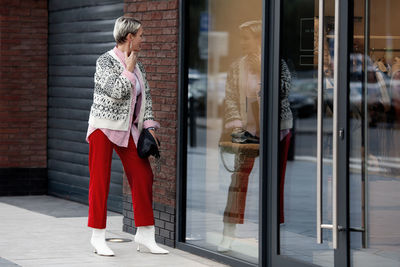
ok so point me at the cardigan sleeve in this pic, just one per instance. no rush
(148, 119)
(232, 110)
(110, 80)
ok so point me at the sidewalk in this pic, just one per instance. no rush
(48, 231)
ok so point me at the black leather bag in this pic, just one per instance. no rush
(147, 145)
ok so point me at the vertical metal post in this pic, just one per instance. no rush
(180, 226)
(335, 125)
(321, 23)
(364, 184)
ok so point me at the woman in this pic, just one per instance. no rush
(121, 108)
(242, 122)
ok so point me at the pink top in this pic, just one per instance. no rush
(121, 138)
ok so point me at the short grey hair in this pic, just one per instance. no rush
(123, 26)
(254, 26)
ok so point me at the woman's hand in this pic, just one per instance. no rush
(153, 133)
(131, 60)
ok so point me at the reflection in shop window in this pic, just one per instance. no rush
(223, 135)
(375, 133)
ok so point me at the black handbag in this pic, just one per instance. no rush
(148, 145)
(242, 143)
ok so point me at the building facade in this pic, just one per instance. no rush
(279, 122)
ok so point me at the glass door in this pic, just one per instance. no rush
(374, 118)
(311, 197)
(222, 153)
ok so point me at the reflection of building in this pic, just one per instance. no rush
(47, 89)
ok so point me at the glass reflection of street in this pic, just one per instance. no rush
(223, 92)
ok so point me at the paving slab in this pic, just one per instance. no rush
(34, 232)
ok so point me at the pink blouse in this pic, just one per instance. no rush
(121, 138)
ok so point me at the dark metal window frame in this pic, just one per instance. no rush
(182, 149)
(269, 116)
(268, 104)
(341, 255)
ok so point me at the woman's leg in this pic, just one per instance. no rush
(236, 203)
(100, 154)
(140, 178)
(284, 149)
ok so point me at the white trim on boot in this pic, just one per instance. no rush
(145, 238)
(228, 236)
(99, 244)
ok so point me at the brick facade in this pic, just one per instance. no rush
(160, 56)
(23, 101)
(23, 84)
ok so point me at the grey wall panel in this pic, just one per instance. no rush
(74, 169)
(86, 93)
(89, 26)
(71, 114)
(80, 194)
(55, 5)
(76, 82)
(73, 125)
(78, 181)
(92, 13)
(79, 32)
(78, 178)
(68, 156)
(76, 147)
(63, 102)
(82, 159)
(79, 49)
(74, 38)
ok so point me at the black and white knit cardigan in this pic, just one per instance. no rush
(235, 96)
(112, 98)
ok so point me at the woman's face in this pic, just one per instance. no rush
(249, 43)
(137, 39)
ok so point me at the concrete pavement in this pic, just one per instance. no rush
(48, 231)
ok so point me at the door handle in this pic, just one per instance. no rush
(321, 22)
(335, 127)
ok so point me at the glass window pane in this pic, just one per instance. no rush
(224, 57)
(299, 50)
(375, 133)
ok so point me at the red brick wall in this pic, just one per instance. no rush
(23, 83)
(160, 56)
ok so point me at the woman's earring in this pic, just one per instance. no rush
(130, 45)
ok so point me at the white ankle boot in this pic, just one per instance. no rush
(228, 236)
(145, 238)
(98, 242)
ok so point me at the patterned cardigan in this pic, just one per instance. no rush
(112, 98)
(235, 96)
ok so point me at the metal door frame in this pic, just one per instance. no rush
(181, 182)
(271, 135)
(269, 116)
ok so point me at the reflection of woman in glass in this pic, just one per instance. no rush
(242, 105)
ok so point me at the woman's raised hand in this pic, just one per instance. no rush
(131, 60)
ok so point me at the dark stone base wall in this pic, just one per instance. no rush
(164, 217)
(23, 181)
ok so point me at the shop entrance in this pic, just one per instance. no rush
(340, 204)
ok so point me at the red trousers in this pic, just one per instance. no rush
(283, 151)
(236, 203)
(138, 172)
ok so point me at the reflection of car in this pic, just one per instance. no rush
(206, 92)
(197, 91)
(303, 97)
(373, 100)
(197, 84)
